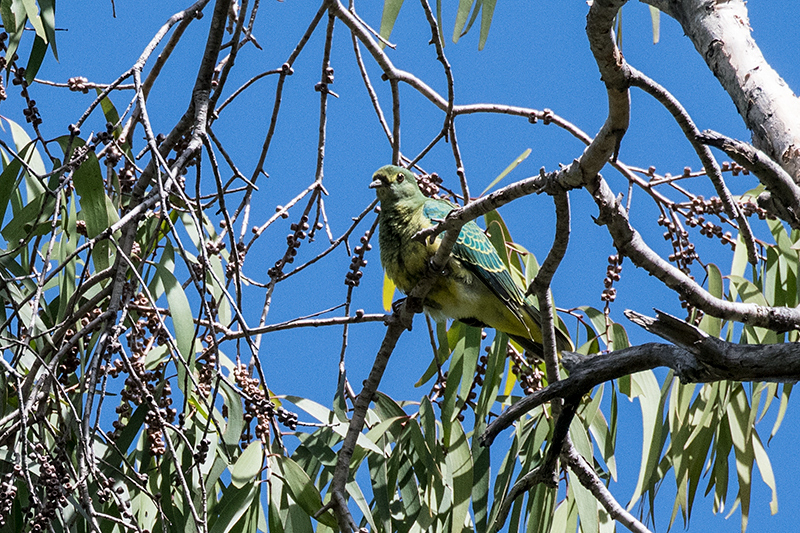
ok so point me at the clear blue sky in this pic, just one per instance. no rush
(536, 56)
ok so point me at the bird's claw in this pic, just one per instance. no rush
(397, 304)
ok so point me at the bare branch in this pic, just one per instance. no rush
(709, 163)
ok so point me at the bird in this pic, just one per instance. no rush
(475, 287)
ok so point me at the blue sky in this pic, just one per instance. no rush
(536, 56)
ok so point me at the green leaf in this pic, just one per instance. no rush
(326, 416)
(67, 246)
(619, 337)
(739, 262)
(577, 431)
(543, 501)
(219, 466)
(9, 20)
(14, 19)
(233, 402)
(391, 8)
(495, 365)
(494, 222)
(710, 324)
(33, 16)
(481, 482)
(181, 313)
(464, 7)
(31, 220)
(586, 503)
(459, 465)
(462, 367)
(380, 489)
(605, 439)
(248, 465)
(109, 111)
(26, 149)
(35, 59)
(787, 390)
(354, 491)
(303, 490)
(645, 386)
(765, 467)
(738, 415)
(48, 15)
(232, 506)
(9, 181)
(421, 449)
(111, 457)
(88, 181)
(276, 496)
(598, 321)
(472, 351)
(524, 155)
(486, 21)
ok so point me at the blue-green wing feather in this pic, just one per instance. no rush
(476, 253)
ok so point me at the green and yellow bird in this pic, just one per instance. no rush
(476, 288)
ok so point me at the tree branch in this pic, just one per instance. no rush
(696, 358)
(720, 32)
(782, 188)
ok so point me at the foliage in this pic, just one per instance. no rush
(123, 287)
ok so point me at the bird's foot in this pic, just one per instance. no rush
(397, 304)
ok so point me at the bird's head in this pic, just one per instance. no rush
(395, 184)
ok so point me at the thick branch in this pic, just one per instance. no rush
(720, 32)
(697, 358)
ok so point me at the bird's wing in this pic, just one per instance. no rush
(476, 253)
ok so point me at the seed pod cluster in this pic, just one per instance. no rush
(357, 262)
(70, 362)
(293, 241)
(206, 366)
(526, 367)
(53, 486)
(258, 407)
(3, 63)
(78, 84)
(143, 386)
(31, 112)
(612, 274)
(231, 266)
(429, 183)
(8, 493)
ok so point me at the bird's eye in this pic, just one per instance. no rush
(400, 177)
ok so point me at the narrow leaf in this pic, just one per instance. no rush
(232, 506)
(459, 463)
(35, 59)
(524, 155)
(486, 21)
(248, 465)
(181, 313)
(33, 16)
(391, 8)
(462, 14)
(303, 490)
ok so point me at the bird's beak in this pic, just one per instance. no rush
(376, 183)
